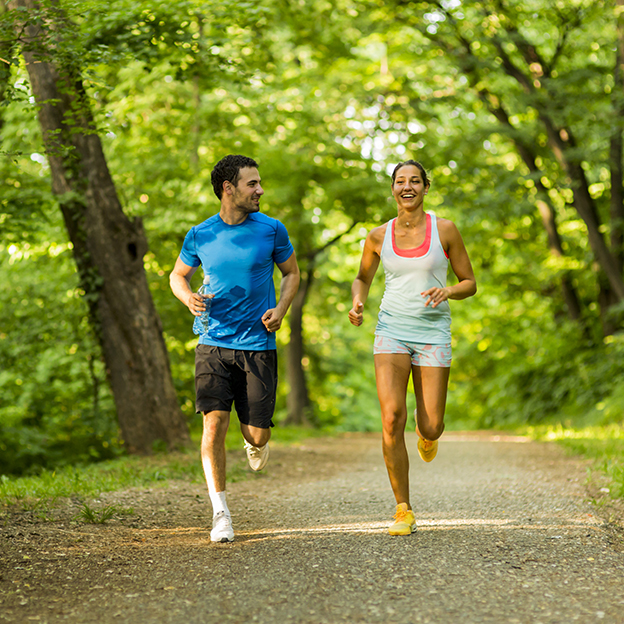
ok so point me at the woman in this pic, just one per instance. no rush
(413, 332)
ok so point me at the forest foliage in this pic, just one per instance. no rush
(514, 107)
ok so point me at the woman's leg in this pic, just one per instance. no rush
(392, 371)
(430, 387)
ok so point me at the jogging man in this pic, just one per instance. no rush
(236, 359)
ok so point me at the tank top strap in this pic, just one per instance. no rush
(435, 234)
(387, 241)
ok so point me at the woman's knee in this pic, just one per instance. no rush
(431, 430)
(393, 421)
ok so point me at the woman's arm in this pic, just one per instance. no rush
(371, 256)
(460, 263)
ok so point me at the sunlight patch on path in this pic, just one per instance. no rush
(422, 525)
(373, 527)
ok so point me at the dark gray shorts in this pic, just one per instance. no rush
(246, 378)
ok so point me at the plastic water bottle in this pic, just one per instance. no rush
(202, 322)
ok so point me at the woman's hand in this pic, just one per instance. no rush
(356, 315)
(435, 296)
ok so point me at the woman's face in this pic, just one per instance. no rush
(409, 189)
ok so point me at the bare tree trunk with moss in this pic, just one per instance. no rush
(108, 247)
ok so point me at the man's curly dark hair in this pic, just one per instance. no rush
(228, 168)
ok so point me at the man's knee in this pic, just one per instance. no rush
(215, 425)
(256, 435)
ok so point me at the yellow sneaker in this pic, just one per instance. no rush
(427, 449)
(404, 521)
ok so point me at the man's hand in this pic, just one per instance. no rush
(196, 303)
(272, 320)
(356, 313)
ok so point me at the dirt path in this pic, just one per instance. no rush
(505, 534)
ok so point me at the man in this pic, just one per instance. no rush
(236, 359)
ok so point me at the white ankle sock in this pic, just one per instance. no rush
(218, 502)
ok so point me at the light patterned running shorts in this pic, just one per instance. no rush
(422, 354)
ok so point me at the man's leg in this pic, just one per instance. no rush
(213, 449)
(256, 445)
(213, 460)
(255, 435)
(255, 403)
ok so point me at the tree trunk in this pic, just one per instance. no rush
(298, 400)
(617, 190)
(606, 301)
(108, 247)
(570, 297)
(5, 67)
(585, 205)
(562, 143)
(545, 207)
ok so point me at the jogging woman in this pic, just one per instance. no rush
(413, 331)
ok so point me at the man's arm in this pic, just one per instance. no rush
(289, 286)
(180, 282)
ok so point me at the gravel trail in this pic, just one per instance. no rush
(505, 535)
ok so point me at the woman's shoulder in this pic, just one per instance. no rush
(445, 225)
(379, 232)
(376, 236)
(447, 229)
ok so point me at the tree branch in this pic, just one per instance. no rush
(311, 256)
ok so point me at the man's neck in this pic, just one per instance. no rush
(232, 215)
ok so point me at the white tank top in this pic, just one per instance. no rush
(403, 315)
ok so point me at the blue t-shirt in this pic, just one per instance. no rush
(239, 260)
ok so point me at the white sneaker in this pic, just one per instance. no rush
(257, 456)
(222, 530)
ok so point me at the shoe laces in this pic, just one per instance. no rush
(251, 449)
(401, 514)
(223, 519)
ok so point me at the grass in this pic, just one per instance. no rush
(95, 516)
(38, 492)
(602, 444)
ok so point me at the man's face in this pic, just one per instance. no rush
(246, 195)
